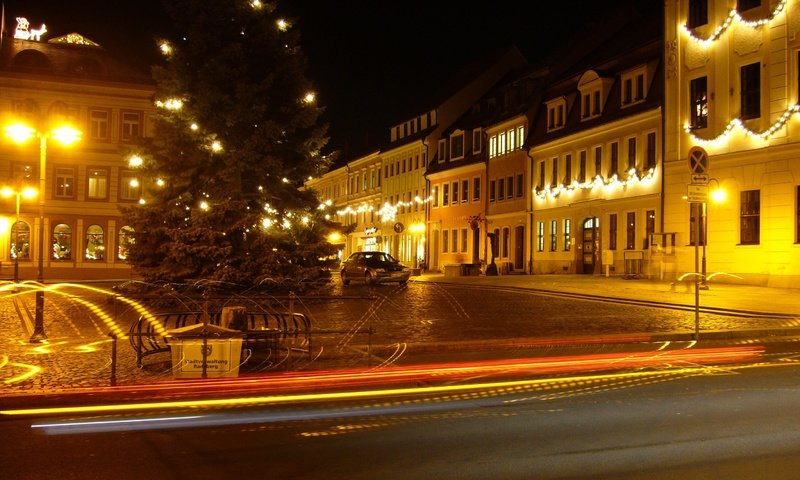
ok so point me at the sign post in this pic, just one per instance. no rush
(697, 195)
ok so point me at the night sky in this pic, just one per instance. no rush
(374, 63)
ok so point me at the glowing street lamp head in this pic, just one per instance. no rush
(66, 135)
(718, 195)
(19, 132)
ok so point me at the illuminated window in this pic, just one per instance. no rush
(21, 241)
(95, 243)
(698, 13)
(492, 147)
(540, 237)
(99, 120)
(97, 183)
(630, 231)
(131, 125)
(750, 217)
(553, 235)
(129, 188)
(612, 231)
(435, 195)
(567, 234)
(65, 183)
(698, 89)
(750, 76)
(62, 242)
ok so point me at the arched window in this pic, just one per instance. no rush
(62, 242)
(125, 241)
(95, 243)
(21, 241)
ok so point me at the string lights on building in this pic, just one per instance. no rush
(613, 182)
(732, 17)
(733, 124)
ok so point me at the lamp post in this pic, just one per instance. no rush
(717, 195)
(65, 135)
(27, 192)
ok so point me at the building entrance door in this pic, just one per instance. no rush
(519, 248)
(589, 244)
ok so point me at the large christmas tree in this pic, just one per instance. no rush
(236, 134)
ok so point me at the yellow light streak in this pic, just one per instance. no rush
(284, 399)
(32, 370)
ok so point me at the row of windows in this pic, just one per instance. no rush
(455, 240)
(633, 84)
(65, 181)
(398, 167)
(457, 192)
(580, 171)
(507, 141)
(565, 233)
(749, 220)
(698, 10)
(749, 96)
(505, 188)
(62, 242)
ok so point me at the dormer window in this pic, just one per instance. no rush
(442, 150)
(477, 137)
(594, 90)
(556, 113)
(457, 145)
(633, 86)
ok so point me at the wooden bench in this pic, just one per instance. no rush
(264, 330)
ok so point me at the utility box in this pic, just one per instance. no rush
(204, 351)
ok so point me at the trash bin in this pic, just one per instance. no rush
(222, 348)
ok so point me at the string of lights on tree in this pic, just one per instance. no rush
(634, 177)
(272, 217)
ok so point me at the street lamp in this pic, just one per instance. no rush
(717, 196)
(65, 135)
(27, 192)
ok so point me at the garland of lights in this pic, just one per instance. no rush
(388, 212)
(765, 135)
(176, 104)
(734, 15)
(634, 177)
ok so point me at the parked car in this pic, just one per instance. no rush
(374, 268)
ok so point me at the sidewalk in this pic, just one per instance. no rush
(783, 301)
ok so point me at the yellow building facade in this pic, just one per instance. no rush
(732, 91)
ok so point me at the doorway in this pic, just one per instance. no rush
(519, 248)
(589, 244)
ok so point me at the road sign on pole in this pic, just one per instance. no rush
(697, 193)
(698, 160)
(700, 179)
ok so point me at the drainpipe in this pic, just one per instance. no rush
(427, 258)
(530, 212)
